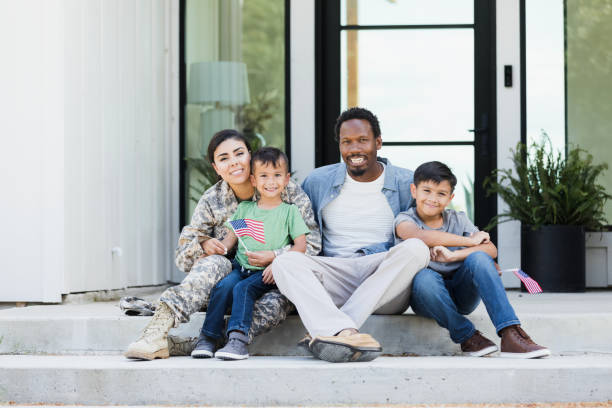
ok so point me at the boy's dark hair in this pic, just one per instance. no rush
(269, 155)
(434, 171)
(220, 137)
(357, 113)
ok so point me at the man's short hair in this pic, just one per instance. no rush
(434, 171)
(357, 113)
(269, 155)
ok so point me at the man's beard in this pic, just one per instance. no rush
(356, 172)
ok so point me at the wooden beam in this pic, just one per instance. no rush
(352, 55)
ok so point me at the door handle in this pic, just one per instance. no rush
(478, 130)
(484, 131)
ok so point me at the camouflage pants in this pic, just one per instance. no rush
(193, 293)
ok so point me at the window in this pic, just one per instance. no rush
(234, 77)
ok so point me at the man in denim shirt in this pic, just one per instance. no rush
(360, 272)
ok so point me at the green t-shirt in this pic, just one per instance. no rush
(265, 230)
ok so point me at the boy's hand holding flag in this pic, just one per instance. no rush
(249, 228)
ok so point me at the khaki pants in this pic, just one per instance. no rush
(332, 294)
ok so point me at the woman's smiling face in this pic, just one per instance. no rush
(232, 161)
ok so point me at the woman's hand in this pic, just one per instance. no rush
(260, 258)
(214, 247)
(267, 276)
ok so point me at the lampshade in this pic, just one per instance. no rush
(218, 81)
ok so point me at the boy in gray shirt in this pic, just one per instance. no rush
(461, 270)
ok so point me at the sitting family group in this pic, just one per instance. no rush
(357, 238)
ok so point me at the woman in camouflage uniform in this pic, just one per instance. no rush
(201, 254)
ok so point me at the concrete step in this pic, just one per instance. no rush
(269, 381)
(100, 328)
(563, 322)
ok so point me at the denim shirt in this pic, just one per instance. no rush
(324, 184)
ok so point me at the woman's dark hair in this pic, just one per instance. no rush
(357, 113)
(220, 137)
(434, 171)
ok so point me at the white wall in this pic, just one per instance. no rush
(90, 145)
(31, 155)
(508, 124)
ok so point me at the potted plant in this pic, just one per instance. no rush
(555, 198)
(255, 116)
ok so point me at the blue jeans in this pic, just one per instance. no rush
(448, 300)
(240, 289)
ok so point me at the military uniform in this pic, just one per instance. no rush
(214, 208)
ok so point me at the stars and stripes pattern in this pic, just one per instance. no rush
(531, 285)
(249, 228)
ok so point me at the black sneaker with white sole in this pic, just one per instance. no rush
(236, 347)
(205, 347)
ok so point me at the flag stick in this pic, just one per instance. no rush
(239, 240)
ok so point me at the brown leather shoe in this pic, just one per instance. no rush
(342, 349)
(516, 343)
(478, 345)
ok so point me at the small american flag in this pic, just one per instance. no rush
(249, 228)
(531, 285)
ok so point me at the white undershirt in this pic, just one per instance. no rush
(360, 216)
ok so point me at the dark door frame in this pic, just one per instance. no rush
(327, 93)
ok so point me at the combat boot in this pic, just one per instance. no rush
(154, 340)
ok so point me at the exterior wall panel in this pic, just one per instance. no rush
(31, 204)
(90, 147)
(117, 188)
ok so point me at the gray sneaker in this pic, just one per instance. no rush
(205, 347)
(236, 347)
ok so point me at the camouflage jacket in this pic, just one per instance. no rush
(219, 203)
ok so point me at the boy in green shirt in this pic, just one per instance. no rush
(265, 224)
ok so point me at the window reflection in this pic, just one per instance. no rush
(420, 83)
(460, 159)
(235, 68)
(589, 84)
(403, 12)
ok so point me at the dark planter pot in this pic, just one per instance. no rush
(554, 255)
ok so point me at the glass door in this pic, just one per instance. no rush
(426, 69)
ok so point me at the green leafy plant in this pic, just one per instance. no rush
(206, 177)
(468, 191)
(548, 189)
(255, 116)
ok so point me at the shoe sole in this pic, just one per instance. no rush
(202, 354)
(164, 353)
(481, 353)
(230, 356)
(531, 354)
(343, 353)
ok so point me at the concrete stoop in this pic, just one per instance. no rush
(562, 322)
(69, 354)
(268, 381)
